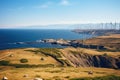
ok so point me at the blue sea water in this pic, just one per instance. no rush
(9, 36)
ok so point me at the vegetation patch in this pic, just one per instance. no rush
(4, 63)
(51, 51)
(42, 59)
(56, 78)
(55, 71)
(77, 52)
(35, 51)
(74, 52)
(37, 75)
(105, 54)
(31, 66)
(7, 63)
(23, 60)
(48, 51)
(54, 53)
(67, 77)
(65, 62)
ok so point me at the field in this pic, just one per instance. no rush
(111, 41)
(58, 73)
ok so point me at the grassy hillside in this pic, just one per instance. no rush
(111, 42)
(50, 64)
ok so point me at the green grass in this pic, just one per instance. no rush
(65, 62)
(110, 77)
(76, 52)
(31, 66)
(54, 53)
(55, 71)
(4, 63)
(48, 51)
(51, 51)
(7, 63)
(23, 60)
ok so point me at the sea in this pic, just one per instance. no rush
(8, 37)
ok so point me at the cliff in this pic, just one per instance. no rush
(86, 60)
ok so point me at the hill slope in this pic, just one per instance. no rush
(77, 57)
(52, 63)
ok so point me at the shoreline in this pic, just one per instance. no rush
(100, 42)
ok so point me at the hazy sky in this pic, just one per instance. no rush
(44, 12)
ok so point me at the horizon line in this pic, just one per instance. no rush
(17, 26)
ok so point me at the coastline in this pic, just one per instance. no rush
(69, 61)
(105, 42)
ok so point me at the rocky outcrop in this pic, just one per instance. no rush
(87, 60)
(59, 41)
(73, 43)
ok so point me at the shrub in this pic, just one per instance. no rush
(4, 63)
(30, 66)
(67, 77)
(105, 54)
(37, 76)
(23, 60)
(42, 59)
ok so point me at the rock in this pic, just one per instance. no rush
(37, 79)
(63, 42)
(42, 59)
(50, 40)
(11, 55)
(90, 72)
(4, 78)
(26, 75)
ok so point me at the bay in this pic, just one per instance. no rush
(10, 36)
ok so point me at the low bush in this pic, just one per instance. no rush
(42, 59)
(31, 66)
(105, 54)
(23, 60)
(4, 63)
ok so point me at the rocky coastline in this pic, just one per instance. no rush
(63, 42)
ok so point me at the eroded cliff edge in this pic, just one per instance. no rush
(79, 59)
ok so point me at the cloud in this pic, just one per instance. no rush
(65, 2)
(45, 5)
(49, 4)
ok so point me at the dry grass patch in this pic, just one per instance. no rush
(51, 73)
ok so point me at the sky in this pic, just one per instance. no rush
(46, 12)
